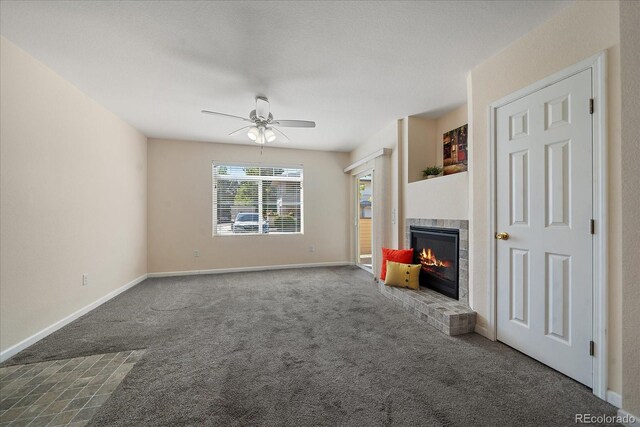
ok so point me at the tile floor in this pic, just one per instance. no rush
(65, 392)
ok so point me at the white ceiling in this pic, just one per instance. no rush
(353, 67)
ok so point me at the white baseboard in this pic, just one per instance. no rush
(614, 398)
(482, 330)
(15, 349)
(246, 269)
(627, 416)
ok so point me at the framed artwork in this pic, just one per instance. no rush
(454, 154)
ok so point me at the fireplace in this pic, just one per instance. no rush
(437, 251)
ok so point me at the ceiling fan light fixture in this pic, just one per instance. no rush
(269, 135)
(253, 133)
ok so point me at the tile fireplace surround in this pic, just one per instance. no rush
(450, 316)
(463, 263)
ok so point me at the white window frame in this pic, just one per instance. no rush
(259, 179)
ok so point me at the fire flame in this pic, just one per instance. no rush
(428, 258)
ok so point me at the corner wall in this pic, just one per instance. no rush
(387, 137)
(180, 209)
(444, 197)
(576, 33)
(73, 198)
(630, 81)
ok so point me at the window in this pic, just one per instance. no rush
(254, 199)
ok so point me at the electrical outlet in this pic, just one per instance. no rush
(196, 253)
(85, 279)
(312, 248)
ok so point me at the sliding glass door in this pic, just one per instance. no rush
(364, 219)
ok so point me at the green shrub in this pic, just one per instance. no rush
(284, 223)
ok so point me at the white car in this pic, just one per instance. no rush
(249, 222)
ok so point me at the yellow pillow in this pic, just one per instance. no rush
(403, 275)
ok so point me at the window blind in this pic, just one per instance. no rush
(252, 199)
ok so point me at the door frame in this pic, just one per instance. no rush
(597, 64)
(356, 218)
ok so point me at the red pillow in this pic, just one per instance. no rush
(403, 256)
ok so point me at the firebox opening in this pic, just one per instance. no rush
(436, 250)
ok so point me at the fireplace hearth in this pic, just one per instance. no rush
(447, 311)
(437, 251)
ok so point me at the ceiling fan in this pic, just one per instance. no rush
(262, 127)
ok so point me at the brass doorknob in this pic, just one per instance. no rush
(502, 236)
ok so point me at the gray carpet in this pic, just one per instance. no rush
(304, 347)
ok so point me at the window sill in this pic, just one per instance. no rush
(275, 233)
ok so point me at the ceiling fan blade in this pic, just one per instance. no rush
(262, 107)
(281, 133)
(235, 132)
(295, 123)
(225, 115)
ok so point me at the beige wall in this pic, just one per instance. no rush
(630, 80)
(444, 197)
(387, 137)
(180, 209)
(422, 146)
(578, 32)
(73, 198)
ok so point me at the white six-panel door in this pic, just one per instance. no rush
(544, 204)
